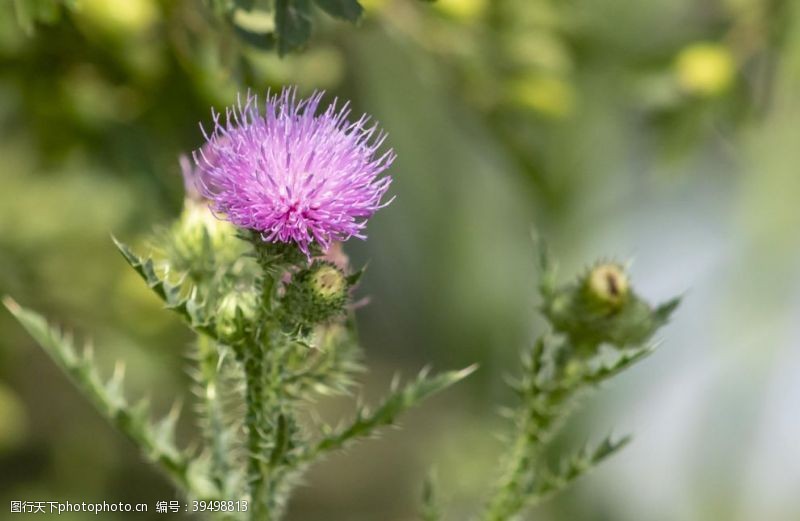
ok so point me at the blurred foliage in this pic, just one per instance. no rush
(545, 73)
(282, 25)
(575, 115)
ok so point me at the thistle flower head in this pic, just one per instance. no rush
(292, 174)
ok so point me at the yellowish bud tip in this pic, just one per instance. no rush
(608, 283)
(328, 282)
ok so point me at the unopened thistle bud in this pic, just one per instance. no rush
(198, 242)
(328, 283)
(315, 295)
(601, 307)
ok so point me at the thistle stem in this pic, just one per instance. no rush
(254, 377)
(541, 410)
(265, 416)
(509, 498)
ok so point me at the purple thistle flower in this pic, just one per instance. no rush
(291, 174)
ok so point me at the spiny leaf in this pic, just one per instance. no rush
(355, 277)
(155, 441)
(113, 387)
(609, 447)
(546, 483)
(187, 307)
(164, 429)
(399, 401)
(627, 358)
(663, 312)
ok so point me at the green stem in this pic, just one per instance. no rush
(269, 426)
(254, 399)
(508, 499)
(278, 426)
(540, 414)
(267, 416)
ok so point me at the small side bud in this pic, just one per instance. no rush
(198, 242)
(315, 295)
(328, 283)
(601, 307)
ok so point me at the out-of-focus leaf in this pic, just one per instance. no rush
(345, 9)
(293, 24)
(29, 12)
(245, 4)
(262, 41)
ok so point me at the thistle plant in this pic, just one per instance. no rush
(600, 327)
(254, 266)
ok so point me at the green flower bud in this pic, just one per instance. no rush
(198, 242)
(196, 219)
(602, 308)
(315, 295)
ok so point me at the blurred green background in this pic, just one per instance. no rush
(666, 132)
